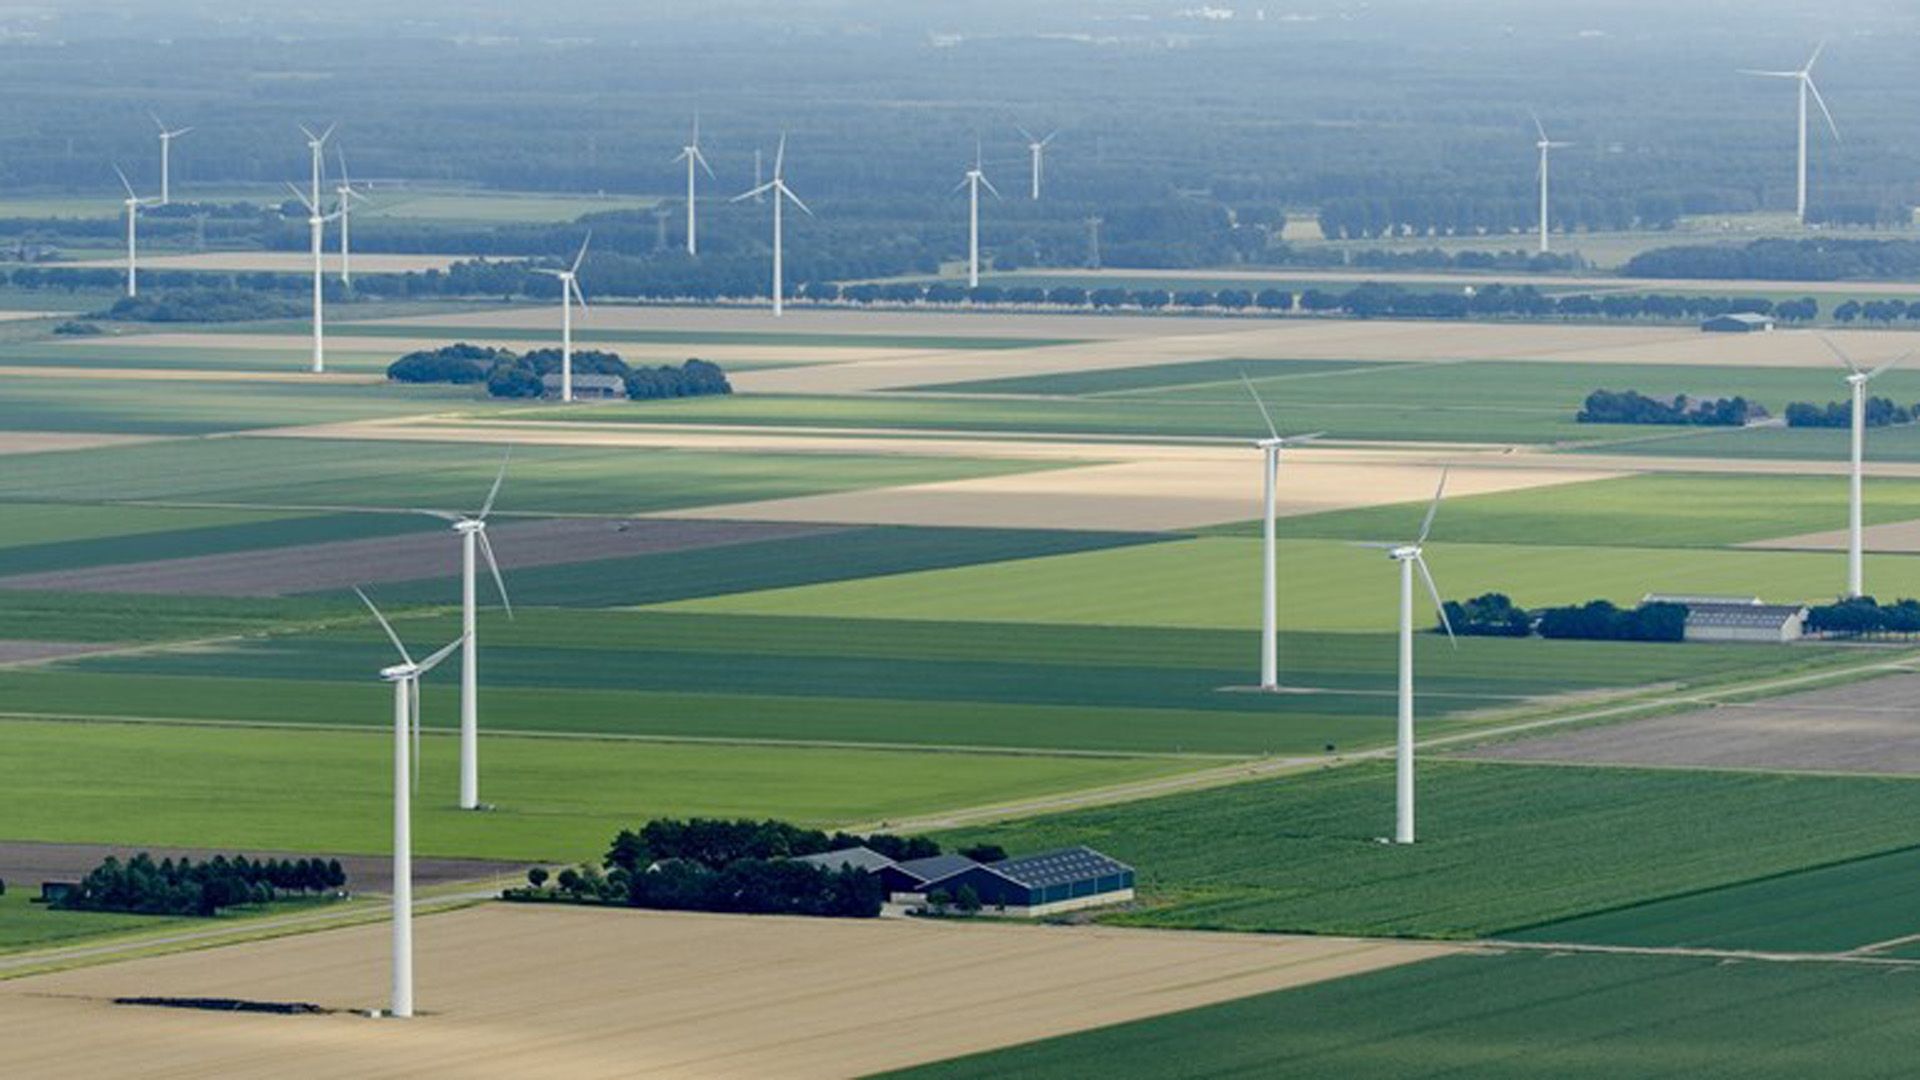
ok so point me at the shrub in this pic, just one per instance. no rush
(77, 329)
(967, 900)
(537, 877)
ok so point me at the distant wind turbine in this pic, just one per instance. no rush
(691, 154)
(1409, 557)
(974, 181)
(569, 294)
(1270, 448)
(317, 149)
(1545, 146)
(778, 188)
(134, 204)
(405, 677)
(1857, 386)
(1036, 148)
(316, 231)
(166, 158)
(344, 193)
(1804, 76)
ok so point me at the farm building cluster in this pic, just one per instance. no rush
(1032, 885)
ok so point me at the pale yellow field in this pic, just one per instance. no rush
(34, 442)
(289, 262)
(514, 992)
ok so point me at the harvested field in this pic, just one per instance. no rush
(339, 564)
(1900, 536)
(280, 262)
(1867, 727)
(510, 991)
(1149, 495)
(37, 442)
(27, 863)
(26, 652)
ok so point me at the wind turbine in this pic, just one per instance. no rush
(781, 192)
(133, 204)
(691, 154)
(1546, 146)
(1409, 557)
(166, 158)
(405, 677)
(569, 292)
(344, 193)
(1857, 383)
(473, 535)
(316, 231)
(1270, 448)
(973, 181)
(317, 148)
(1036, 148)
(1805, 78)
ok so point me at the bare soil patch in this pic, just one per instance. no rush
(1902, 537)
(19, 652)
(412, 557)
(511, 991)
(36, 442)
(1865, 727)
(25, 863)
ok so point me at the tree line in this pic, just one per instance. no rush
(1863, 616)
(1633, 407)
(141, 886)
(1418, 215)
(1825, 258)
(1495, 615)
(522, 375)
(1879, 412)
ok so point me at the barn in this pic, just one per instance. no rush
(1043, 884)
(1739, 322)
(1738, 618)
(587, 387)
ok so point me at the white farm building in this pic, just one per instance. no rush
(1737, 618)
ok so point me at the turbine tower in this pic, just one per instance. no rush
(473, 540)
(1036, 148)
(344, 193)
(973, 181)
(1545, 146)
(691, 154)
(1270, 448)
(781, 192)
(1409, 557)
(133, 203)
(1857, 381)
(166, 158)
(405, 677)
(1804, 76)
(569, 293)
(316, 231)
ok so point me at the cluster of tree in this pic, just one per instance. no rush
(1495, 615)
(1488, 615)
(715, 843)
(142, 886)
(1367, 218)
(520, 375)
(1633, 407)
(1880, 412)
(201, 305)
(1876, 311)
(1824, 258)
(1863, 616)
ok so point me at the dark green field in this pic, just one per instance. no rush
(1517, 1016)
(187, 407)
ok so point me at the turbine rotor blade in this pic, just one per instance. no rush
(1768, 74)
(1433, 508)
(780, 156)
(1050, 137)
(1876, 371)
(413, 708)
(578, 259)
(1815, 58)
(1264, 414)
(1027, 135)
(124, 182)
(1838, 354)
(989, 185)
(1822, 102)
(433, 661)
(1537, 126)
(702, 160)
(302, 196)
(500, 478)
(1439, 606)
(384, 624)
(573, 287)
(761, 190)
(441, 514)
(493, 564)
(788, 192)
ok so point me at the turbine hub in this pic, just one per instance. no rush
(469, 525)
(397, 672)
(1404, 552)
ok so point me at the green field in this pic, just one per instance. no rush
(558, 799)
(150, 539)
(1500, 846)
(1663, 510)
(26, 925)
(772, 339)
(1518, 1016)
(108, 617)
(1324, 585)
(185, 407)
(1901, 443)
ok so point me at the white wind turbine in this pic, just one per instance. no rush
(1804, 76)
(317, 149)
(1036, 148)
(473, 535)
(405, 677)
(344, 193)
(316, 232)
(1409, 557)
(973, 181)
(133, 203)
(1545, 146)
(781, 192)
(1857, 385)
(691, 154)
(1270, 448)
(166, 158)
(569, 293)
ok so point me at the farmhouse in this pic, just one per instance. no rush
(590, 387)
(1737, 618)
(1740, 322)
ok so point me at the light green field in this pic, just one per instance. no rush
(1324, 585)
(192, 408)
(25, 925)
(27, 524)
(558, 799)
(490, 206)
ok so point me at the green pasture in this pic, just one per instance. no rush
(1500, 847)
(107, 617)
(272, 472)
(186, 407)
(1513, 1016)
(31, 525)
(557, 799)
(1899, 443)
(1659, 510)
(156, 354)
(151, 540)
(26, 925)
(1323, 584)
(1159, 376)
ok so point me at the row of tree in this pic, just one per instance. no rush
(1496, 615)
(1863, 616)
(142, 886)
(1633, 407)
(1825, 258)
(201, 304)
(1880, 412)
(716, 842)
(1368, 218)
